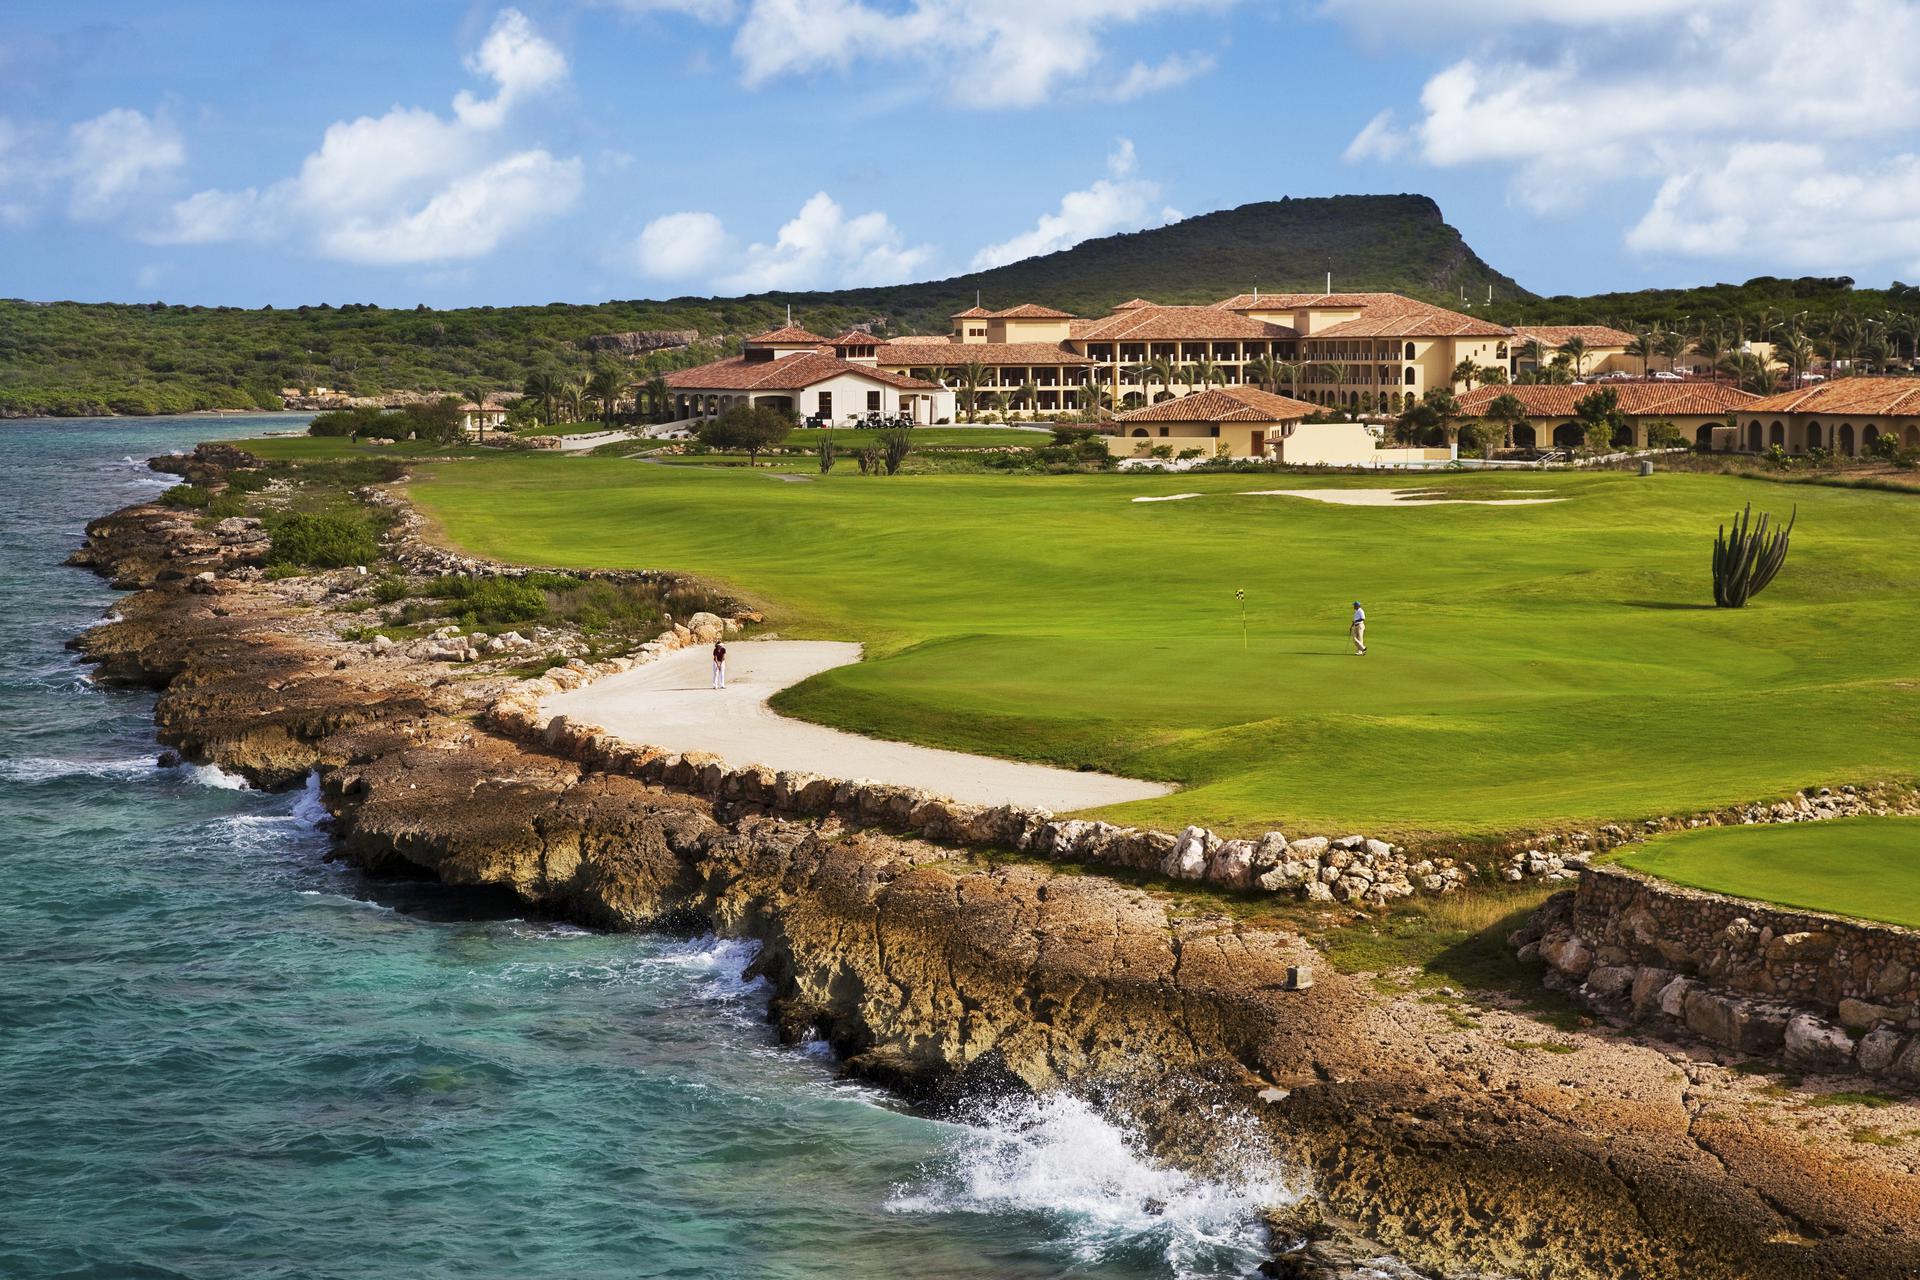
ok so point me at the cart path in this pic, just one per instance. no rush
(670, 704)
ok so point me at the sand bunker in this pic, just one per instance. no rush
(1394, 498)
(1168, 497)
(670, 704)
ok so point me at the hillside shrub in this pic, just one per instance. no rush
(324, 540)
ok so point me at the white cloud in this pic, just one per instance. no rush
(680, 246)
(1142, 79)
(1117, 202)
(16, 176)
(1748, 133)
(516, 59)
(114, 156)
(1377, 140)
(821, 247)
(990, 53)
(410, 186)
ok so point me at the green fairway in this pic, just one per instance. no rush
(305, 448)
(1530, 665)
(1864, 867)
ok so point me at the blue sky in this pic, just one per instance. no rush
(214, 151)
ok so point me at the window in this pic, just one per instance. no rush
(825, 408)
(873, 402)
(1409, 355)
(1163, 431)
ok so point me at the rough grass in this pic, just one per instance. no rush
(1863, 867)
(1530, 666)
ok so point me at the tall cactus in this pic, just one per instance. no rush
(1745, 561)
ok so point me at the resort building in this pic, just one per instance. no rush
(808, 376)
(1697, 409)
(1603, 349)
(478, 418)
(1246, 422)
(1847, 417)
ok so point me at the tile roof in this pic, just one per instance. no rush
(1031, 311)
(971, 313)
(1637, 399)
(1416, 320)
(958, 353)
(1133, 304)
(1152, 323)
(1224, 404)
(856, 338)
(1296, 301)
(788, 373)
(1862, 397)
(787, 336)
(1552, 336)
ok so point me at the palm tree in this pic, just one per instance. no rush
(1204, 372)
(1707, 344)
(657, 394)
(1503, 414)
(1534, 352)
(1335, 372)
(1672, 346)
(606, 385)
(1292, 371)
(1263, 372)
(543, 387)
(1844, 334)
(998, 403)
(1468, 372)
(477, 397)
(1796, 352)
(574, 397)
(971, 375)
(1902, 324)
(1749, 371)
(1575, 349)
(1160, 369)
(1029, 396)
(1642, 347)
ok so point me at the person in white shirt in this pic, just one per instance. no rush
(1359, 629)
(719, 666)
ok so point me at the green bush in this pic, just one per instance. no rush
(329, 540)
(188, 497)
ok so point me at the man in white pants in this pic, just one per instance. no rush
(1359, 629)
(719, 666)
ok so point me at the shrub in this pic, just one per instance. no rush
(187, 497)
(328, 540)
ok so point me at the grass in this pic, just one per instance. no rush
(305, 448)
(845, 438)
(1530, 666)
(1863, 867)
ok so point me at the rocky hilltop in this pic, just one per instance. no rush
(942, 969)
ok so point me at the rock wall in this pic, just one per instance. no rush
(1819, 992)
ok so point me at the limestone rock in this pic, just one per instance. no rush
(1817, 1045)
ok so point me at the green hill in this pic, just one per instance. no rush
(88, 358)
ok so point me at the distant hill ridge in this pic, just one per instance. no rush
(78, 358)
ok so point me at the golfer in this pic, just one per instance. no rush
(1359, 629)
(719, 666)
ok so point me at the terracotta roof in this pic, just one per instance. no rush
(856, 338)
(1031, 311)
(1637, 399)
(788, 373)
(1153, 323)
(1862, 397)
(919, 339)
(1133, 304)
(1552, 336)
(1224, 404)
(958, 353)
(1415, 320)
(1382, 302)
(971, 313)
(787, 336)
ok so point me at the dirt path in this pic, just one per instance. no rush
(671, 704)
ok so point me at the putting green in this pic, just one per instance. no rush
(1863, 867)
(1530, 665)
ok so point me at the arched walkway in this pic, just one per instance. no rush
(1523, 436)
(1623, 436)
(1816, 437)
(1843, 439)
(1568, 435)
(1703, 438)
(1913, 438)
(1867, 437)
(1753, 437)
(1777, 434)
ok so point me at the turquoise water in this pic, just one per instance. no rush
(222, 1057)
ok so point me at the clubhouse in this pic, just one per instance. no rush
(1699, 410)
(1847, 417)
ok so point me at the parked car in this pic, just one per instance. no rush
(1667, 375)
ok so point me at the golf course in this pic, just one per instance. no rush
(1530, 665)
(1862, 867)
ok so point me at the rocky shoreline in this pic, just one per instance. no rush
(940, 969)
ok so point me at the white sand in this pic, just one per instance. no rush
(1393, 498)
(670, 704)
(1169, 497)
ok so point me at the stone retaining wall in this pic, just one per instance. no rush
(1819, 992)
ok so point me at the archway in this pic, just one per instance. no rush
(1139, 433)
(1753, 437)
(1815, 437)
(1868, 435)
(1913, 438)
(1623, 436)
(1568, 435)
(1409, 356)
(1777, 435)
(1409, 372)
(1523, 437)
(1843, 441)
(1703, 438)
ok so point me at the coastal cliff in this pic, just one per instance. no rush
(939, 969)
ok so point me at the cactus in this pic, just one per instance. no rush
(1746, 560)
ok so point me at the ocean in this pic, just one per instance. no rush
(222, 1056)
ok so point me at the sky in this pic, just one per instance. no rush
(404, 152)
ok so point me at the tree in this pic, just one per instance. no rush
(1662, 434)
(606, 385)
(573, 398)
(1292, 371)
(543, 388)
(1504, 413)
(1796, 352)
(1575, 350)
(1264, 372)
(1203, 373)
(1160, 369)
(1749, 371)
(1029, 397)
(1707, 344)
(971, 375)
(1671, 345)
(1534, 352)
(1600, 419)
(1466, 371)
(1642, 346)
(658, 395)
(1436, 412)
(895, 444)
(1493, 375)
(477, 396)
(748, 428)
(998, 402)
